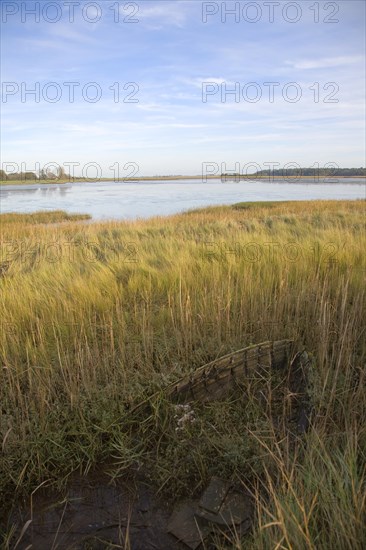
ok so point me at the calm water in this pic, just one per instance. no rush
(104, 200)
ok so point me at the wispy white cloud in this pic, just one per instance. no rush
(163, 13)
(326, 62)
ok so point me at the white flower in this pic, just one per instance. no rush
(185, 416)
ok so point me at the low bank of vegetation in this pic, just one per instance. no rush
(96, 317)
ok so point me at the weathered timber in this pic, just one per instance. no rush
(214, 380)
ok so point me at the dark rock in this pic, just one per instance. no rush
(235, 509)
(214, 495)
(187, 527)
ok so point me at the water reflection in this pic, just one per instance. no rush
(126, 200)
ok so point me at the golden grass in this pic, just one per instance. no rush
(53, 216)
(96, 317)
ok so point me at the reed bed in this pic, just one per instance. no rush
(96, 317)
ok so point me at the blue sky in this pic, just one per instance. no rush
(170, 53)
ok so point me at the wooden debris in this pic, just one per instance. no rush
(192, 522)
(188, 528)
(214, 495)
(214, 380)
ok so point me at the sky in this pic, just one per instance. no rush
(143, 87)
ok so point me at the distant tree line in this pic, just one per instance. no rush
(48, 174)
(31, 176)
(298, 172)
(322, 172)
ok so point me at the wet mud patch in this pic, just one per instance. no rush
(95, 513)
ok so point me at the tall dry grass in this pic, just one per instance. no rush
(97, 316)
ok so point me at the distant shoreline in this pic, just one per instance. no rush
(224, 179)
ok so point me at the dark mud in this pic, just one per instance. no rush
(95, 513)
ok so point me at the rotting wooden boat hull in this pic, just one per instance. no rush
(214, 380)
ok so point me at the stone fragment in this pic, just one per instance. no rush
(235, 509)
(187, 527)
(214, 495)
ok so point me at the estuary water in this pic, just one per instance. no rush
(127, 200)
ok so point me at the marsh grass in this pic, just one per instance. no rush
(53, 216)
(97, 317)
